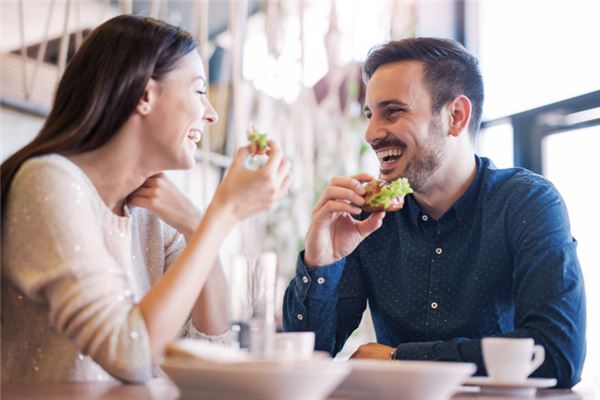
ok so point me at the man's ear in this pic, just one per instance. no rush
(144, 106)
(460, 115)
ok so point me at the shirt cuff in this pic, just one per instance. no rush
(318, 282)
(415, 351)
(438, 350)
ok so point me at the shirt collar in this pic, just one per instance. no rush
(412, 210)
(462, 208)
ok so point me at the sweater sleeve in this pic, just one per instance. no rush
(55, 252)
(174, 244)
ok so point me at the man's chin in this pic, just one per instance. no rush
(389, 174)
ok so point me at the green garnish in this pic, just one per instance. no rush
(260, 138)
(398, 188)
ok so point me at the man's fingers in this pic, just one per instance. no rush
(363, 177)
(339, 193)
(371, 224)
(336, 187)
(349, 183)
(334, 206)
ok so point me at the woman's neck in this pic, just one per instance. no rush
(115, 170)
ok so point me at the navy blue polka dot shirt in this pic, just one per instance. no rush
(500, 262)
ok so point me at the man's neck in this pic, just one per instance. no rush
(447, 185)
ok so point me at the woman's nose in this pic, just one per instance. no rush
(210, 115)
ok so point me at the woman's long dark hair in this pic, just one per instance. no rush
(101, 87)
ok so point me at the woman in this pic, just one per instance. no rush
(86, 292)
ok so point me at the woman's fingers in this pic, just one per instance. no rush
(141, 201)
(275, 157)
(284, 169)
(144, 191)
(240, 155)
(285, 186)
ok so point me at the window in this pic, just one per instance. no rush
(569, 159)
(534, 53)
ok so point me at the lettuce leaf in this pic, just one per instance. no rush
(397, 188)
(257, 137)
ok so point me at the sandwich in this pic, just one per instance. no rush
(258, 139)
(385, 196)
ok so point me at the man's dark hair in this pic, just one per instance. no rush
(450, 70)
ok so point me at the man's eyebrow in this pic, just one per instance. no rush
(385, 103)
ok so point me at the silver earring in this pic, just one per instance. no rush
(145, 108)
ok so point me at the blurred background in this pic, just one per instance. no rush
(293, 68)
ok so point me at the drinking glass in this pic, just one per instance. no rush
(252, 304)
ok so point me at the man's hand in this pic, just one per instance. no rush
(333, 233)
(374, 351)
(160, 195)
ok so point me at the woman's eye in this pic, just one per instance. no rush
(201, 92)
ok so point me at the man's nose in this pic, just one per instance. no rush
(374, 133)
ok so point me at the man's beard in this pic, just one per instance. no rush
(429, 158)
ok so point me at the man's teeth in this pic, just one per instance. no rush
(382, 155)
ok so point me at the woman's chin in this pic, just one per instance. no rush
(187, 162)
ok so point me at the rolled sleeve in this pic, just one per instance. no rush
(319, 283)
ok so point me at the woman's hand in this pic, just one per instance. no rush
(244, 193)
(161, 196)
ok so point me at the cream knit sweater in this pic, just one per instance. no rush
(72, 276)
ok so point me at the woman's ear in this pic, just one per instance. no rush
(144, 106)
(460, 115)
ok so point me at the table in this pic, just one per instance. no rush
(163, 389)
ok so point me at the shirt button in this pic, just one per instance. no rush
(300, 317)
(321, 280)
(305, 279)
(424, 217)
(434, 305)
(438, 251)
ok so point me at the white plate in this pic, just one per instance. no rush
(264, 380)
(525, 388)
(410, 380)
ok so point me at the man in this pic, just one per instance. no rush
(475, 252)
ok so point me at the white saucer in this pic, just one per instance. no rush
(525, 388)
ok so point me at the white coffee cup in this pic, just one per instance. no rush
(511, 359)
(294, 345)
